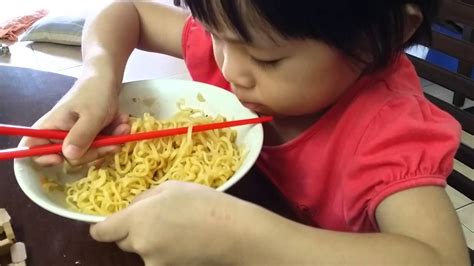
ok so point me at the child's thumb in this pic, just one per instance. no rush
(80, 137)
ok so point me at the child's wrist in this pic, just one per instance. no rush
(251, 240)
(103, 69)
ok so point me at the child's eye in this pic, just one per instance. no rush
(266, 63)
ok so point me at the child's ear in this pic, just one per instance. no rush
(413, 20)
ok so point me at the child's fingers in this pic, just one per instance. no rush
(120, 119)
(45, 160)
(48, 160)
(121, 129)
(95, 153)
(30, 142)
(114, 228)
(170, 185)
(80, 137)
(146, 194)
(126, 245)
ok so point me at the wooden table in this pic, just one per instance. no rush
(25, 95)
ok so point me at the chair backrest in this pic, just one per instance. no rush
(458, 14)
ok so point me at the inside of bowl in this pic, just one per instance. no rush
(30, 177)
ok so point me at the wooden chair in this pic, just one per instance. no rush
(461, 14)
(455, 18)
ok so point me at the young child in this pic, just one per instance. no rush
(355, 148)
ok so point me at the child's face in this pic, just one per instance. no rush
(283, 77)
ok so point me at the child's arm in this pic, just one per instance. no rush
(418, 227)
(112, 34)
(182, 223)
(108, 40)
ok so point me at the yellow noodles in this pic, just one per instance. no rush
(207, 158)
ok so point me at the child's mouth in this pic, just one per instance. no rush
(253, 106)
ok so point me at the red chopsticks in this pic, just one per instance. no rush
(103, 140)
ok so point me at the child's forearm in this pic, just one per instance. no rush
(108, 40)
(120, 27)
(267, 239)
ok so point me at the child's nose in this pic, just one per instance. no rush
(236, 70)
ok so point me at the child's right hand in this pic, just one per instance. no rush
(84, 111)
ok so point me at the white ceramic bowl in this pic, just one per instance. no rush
(158, 97)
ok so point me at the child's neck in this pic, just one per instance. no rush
(284, 129)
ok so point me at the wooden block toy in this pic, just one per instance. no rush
(5, 245)
(18, 252)
(4, 218)
(8, 245)
(18, 264)
(8, 230)
(7, 237)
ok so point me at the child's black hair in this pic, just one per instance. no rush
(355, 27)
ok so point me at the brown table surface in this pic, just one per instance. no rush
(25, 95)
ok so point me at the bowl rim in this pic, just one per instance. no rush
(90, 218)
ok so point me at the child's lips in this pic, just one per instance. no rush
(253, 106)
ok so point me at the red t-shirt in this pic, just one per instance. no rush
(383, 136)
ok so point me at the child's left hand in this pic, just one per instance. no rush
(177, 223)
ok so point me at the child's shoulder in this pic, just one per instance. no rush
(397, 82)
(396, 94)
(390, 108)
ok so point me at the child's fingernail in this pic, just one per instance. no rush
(111, 149)
(72, 152)
(124, 131)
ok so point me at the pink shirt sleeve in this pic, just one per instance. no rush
(410, 143)
(198, 55)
